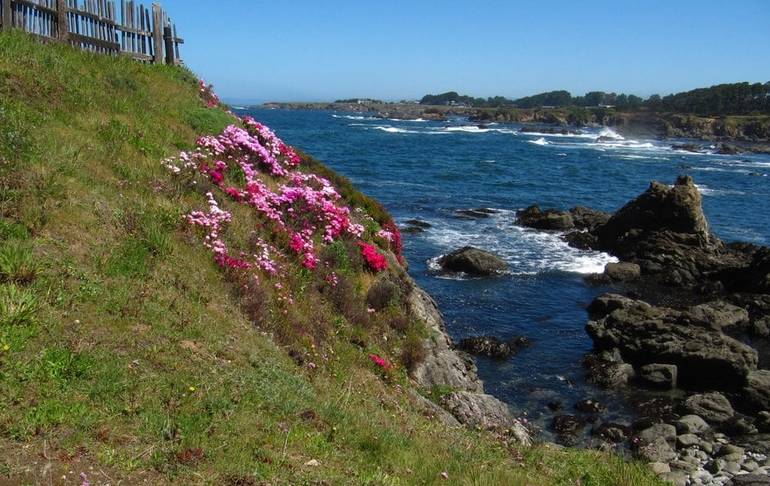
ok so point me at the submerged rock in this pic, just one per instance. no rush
(473, 262)
(478, 213)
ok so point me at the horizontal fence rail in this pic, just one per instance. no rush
(103, 26)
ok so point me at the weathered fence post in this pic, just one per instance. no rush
(7, 24)
(157, 33)
(168, 36)
(62, 26)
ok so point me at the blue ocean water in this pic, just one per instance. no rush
(429, 170)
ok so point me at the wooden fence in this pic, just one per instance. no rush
(129, 28)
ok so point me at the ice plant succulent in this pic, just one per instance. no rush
(298, 212)
(374, 259)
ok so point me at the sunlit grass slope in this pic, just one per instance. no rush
(128, 355)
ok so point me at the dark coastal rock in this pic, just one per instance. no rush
(582, 240)
(587, 218)
(718, 315)
(612, 432)
(757, 389)
(738, 426)
(665, 231)
(607, 369)
(763, 421)
(749, 480)
(728, 149)
(646, 334)
(623, 271)
(478, 213)
(568, 425)
(688, 147)
(658, 450)
(418, 223)
(661, 376)
(753, 277)
(713, 407)
(589, 406)
(492, 347)
(691, 424)
(550, 219)
(664, 431)
(413, 226)
(473, 262)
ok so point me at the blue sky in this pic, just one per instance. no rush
(303, 50)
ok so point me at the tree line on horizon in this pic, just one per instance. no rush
(722, 99)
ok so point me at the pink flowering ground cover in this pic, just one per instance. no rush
(297, 212)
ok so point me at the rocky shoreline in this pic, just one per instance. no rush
(692, 312)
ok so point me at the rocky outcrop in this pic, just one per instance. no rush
(479, 410)
(473, 262)
(645, 334)
(444, 366)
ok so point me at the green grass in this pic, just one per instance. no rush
(127, 354)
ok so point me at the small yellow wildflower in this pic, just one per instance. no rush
(192, 389)
(6, 347)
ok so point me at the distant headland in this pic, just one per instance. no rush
(735, 113)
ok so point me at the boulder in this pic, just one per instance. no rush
(691, 424)
(473, 262)
(623, 271)
(658, 450)
(664, 431)
(713, 407)
(550, 219)
(589, 406)
(486, 412)
(687, 147)
(644, 333)
(661, 376)
(478, 213)
(757, 390)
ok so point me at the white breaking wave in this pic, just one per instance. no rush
(540, 141)
(610, 133)
(354, 117)
(527, 252)
(707, 191)
(393, 129)
(591, 136)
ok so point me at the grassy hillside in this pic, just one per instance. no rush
(129, 355)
